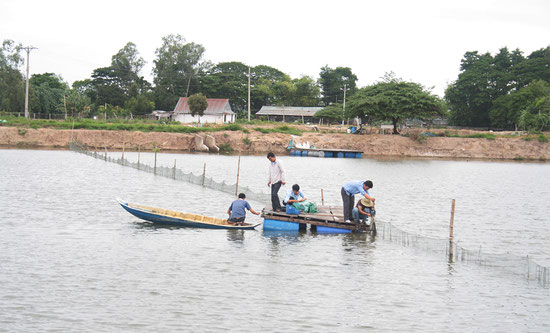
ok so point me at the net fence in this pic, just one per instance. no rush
(522, 265)
(176, 173)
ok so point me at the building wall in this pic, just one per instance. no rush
(208, 118)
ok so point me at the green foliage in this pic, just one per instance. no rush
(246, 141)
(139, 105)
(280, 129)
(176, 70)
(47, 90)
(225, 148)
(197, 104)
(21, 131)
(332, 113)
(113, 125)
(490, 91)
(542, 138)
(488, 136)
(332, 83)
(537, 115)
(12, 83)
(395, 100)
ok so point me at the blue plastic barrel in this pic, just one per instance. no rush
(304, 153)
(358, 155)
(329, 154)
(340, 155)
(349, 155)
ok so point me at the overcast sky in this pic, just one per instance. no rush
(420, 41)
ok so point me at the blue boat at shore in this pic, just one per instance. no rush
(180, 219)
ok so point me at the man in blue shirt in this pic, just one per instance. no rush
(294, 195)
(349, 190)
(237, 212)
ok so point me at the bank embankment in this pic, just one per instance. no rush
(255, 142)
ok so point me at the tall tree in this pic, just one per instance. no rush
(333, 81)
(12, 86)
(395, 101)
(120, 81)
(477, 97)
(175, 70)
(470, 96)
(47, 93)
(307, 92)
(227, 80)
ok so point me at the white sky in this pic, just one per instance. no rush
(421, 41)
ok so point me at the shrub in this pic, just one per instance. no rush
(542, 138)
(225, 148)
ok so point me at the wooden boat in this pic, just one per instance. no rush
(175, 218)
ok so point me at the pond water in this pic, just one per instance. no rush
(72, 260)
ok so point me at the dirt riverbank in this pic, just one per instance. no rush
(259, 143)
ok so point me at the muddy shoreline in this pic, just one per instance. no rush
(257, 143)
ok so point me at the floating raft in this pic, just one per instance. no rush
(329, 219)
(325, 152)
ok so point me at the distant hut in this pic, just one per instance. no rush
(218, 111)
(288, 113)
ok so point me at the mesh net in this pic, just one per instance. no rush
(176, 174)
(521, 265)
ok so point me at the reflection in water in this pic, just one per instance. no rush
(236, 236)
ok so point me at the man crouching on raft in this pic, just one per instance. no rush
(349, 190)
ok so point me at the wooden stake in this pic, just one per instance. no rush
(322, 198)
(452, 220)
(451, 247)
(203, 173)
(155, 171)
(123, 144)
(174, 168)
(105, 152)
(238, 172)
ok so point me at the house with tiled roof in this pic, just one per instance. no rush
(218, 111)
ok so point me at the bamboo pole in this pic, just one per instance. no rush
(238, 172)
(203, 173)
(105, 152)
(155, 171)
(139, 153)
(123, 146)
(322, 198)
(174, 168)
(451, 248)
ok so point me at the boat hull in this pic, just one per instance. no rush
(150, 216)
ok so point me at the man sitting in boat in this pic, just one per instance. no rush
(237, 212)
(294, 195)
(363, 210)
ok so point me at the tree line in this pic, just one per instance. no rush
(179, 70)
(504, 91)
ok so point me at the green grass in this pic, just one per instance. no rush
(226, 148)
(114, 125)
(280, 129)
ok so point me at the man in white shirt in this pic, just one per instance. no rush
(276, 179)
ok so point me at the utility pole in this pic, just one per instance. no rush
(28, 49)
(248, 93)
(344, 110)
